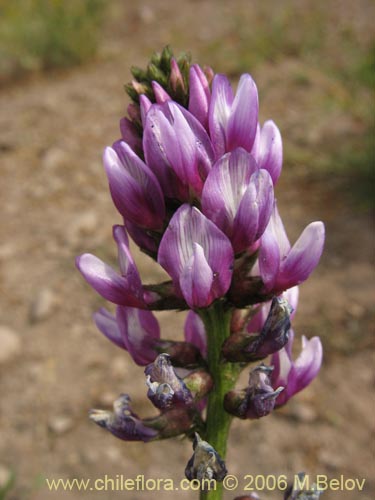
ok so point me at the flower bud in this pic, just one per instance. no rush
(205, 463)
(257, 400)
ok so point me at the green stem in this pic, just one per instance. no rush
(217, 324)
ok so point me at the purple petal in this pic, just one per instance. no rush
(160, 94)
(175, 78)
(269, 260)
(199, 94)
(144, 104)
(303, 257)
(254, 211)
(142, 238)
(140, 332)
(270, 156)
(126, 262)
(107, 324)
(219, 112)
(195, 332)
(308, 363)
(156, 155)
(225, 186)
(107, 282)
(135, 190)
(189, 226)
(196, 280)
(243, 120)
(130, 134)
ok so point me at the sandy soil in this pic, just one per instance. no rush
(55, 205)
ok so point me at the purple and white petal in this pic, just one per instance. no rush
(270, 152)
(199, 95)
(196, 279)
(195, 332)
(130, 134)
(303, 257)
(219, 113)
(135, 190)
(107, 324)
(140, 331)
(243, 120)
(108, 283)
(225, 186)
(189, 226)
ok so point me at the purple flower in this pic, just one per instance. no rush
(296, 375)
(198, 257)
(268, 149)
(177, 149)
(123, 422)
(165, 388)
(282, 266)
(257, 400)
(125, 289)
(135, 190)
(239, 198)
(233, 120)
(195, 332)
(130, 135)
(199, 95)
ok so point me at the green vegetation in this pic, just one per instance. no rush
(43, 34)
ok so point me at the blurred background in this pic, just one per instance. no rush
(62, 69)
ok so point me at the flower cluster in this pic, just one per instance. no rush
(193, 177)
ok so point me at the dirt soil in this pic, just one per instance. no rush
(55, 205)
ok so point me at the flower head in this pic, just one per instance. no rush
(296, 375)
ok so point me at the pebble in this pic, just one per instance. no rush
(304, 413)
(5, 476)
(53, 158)
(60, 424)
(83, 225)
(10, 344)
(42, 305)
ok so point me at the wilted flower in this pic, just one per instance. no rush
(257, 400)
(294, 492)
(165, 388)
(205, 463)
(296, 375)
(246, 346)
(123, 422)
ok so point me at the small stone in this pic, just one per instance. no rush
(42, 305)
(5, 476)
(53, 158)
(304, 413)
(60, 424)
(10, 344)
(82, 226)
